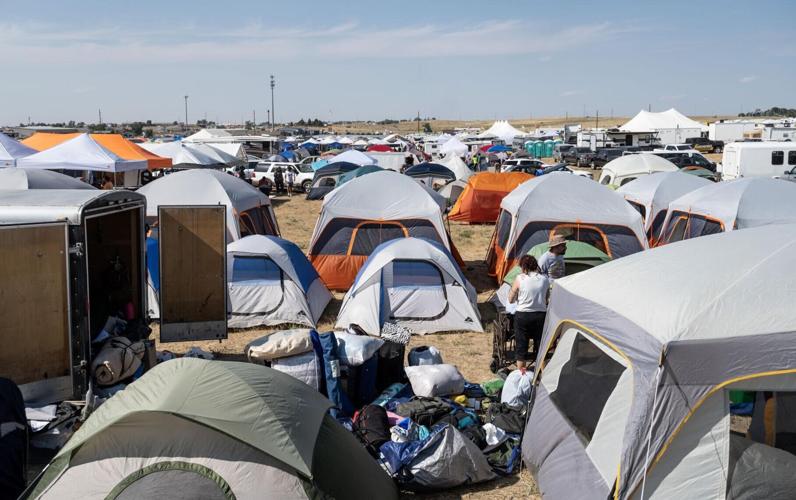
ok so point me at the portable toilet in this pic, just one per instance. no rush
(538, 149)
(548, 148)
(528, 146)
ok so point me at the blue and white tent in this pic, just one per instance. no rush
(11, 150)
(412, 282)
(271, 282)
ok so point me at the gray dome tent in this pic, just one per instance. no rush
(213, 429)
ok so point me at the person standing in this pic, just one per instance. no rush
(551, 263)
(107, 182)
(279, 180)
(291, 178)
(530, 292)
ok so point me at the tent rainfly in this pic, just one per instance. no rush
(23, 178)
(626, 168)
(216, 430)
(271, 282)
(412, 282)
(365, 212)
(480, 200)
(81, 153)
(636, 395)
(652, 194)
(726, 206)
(11, 150)
(560, 203)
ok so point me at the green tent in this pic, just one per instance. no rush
(579, 257)
(367, 169)
(191, 428)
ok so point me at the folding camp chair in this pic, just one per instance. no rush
(503, 349)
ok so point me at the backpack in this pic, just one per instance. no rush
(424, 411)
(372, 428)
(390, 365)
(511, 420)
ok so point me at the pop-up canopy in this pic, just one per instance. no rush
(11, 150)
(112, 142)
(185, 155)
(81, 153)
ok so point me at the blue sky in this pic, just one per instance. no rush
(358, 60)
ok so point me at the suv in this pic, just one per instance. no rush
(304, 173)
(561, 150)
(687, 159)
(527, 165)
(705, 145)
(580, 156)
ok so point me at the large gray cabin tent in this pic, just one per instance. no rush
(191, 428)
(634, 400)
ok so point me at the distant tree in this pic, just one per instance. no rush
(249, 125)
(149, 122)
(148, 133)
(427, 128)
(71, 124)
(137, 128)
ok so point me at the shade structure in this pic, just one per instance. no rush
(726, 206)
(647, 121)
(453, 146)
(652, 194)
(502, 129)
(432, 175)
(366, 212)
(213, 429)
(560, 203)
(480, 200)
(81, 153)
(647, 347)
(112, 142)
(414, 283)
(248, 209)
(629, 167)
(271, 282)
(458, 167)
(185, 155)
(11, 150)
(23, 178)
(353, 156)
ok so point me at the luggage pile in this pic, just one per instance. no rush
(423, 423)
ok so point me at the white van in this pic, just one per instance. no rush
(757, 159)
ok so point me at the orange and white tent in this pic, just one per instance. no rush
(364, 213)
(480, 200)
(114, 143)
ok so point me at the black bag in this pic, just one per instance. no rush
(424, 411)
(13, 440)
(372, 428)
(476, 434)
(391, 365)
(511, 420)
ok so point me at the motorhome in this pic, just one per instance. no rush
(757, 159)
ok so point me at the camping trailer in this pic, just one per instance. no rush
(757, 159)
(69, 258)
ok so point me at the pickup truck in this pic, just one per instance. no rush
(687, 159)
(705, 145)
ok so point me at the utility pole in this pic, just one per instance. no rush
(273, 112)
(254, 120)
(99, 111)
(597, 120)
(418, 122)
(186, 111)
(269, 117)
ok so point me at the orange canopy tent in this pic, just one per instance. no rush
(112, 142)
(480, 200)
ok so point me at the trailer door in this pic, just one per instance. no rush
(34, 310)
(193, 268)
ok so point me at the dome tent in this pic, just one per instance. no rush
(561, 203)
(726, 206)
(366, 212)
(647, 348)
(23, 178)
(453, 146)
(271, 282)
(327, 177)
(652, 194)
(428, 173)
(213, 429)
(481, 198)
(458, 167)
(353, 156)
(413, 282)
(626, 168)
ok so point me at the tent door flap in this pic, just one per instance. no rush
(35, 312)
(193, 273)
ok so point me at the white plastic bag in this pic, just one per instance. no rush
(353, 350)
(435, 380)
(517, 389)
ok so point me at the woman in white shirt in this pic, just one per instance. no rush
(530, 291)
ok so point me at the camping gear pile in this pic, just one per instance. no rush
(424, 423)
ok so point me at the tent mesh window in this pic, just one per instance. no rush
(639, 208)
(415, 290)
(503, 228)
(688, 226)
(586, 382)
(184, 480)
(256, 221)
(657, 224)
(343, 236)
(255, 270)
(621, 240)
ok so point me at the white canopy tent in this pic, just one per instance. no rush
(80, 153)
(353, 156)
(234, 149)
(458, 167)
(628, 167)
(672, 126)
(23, 178)
(11, 151)
(502, 129)
(652, 194)
(207, 134)
(412, 282)
(453, 146)
(730, 205)
(182, 154)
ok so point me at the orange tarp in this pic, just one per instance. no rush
(112, 142)
(480, 200)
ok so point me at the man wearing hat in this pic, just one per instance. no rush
(551, 263)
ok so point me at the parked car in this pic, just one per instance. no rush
(687, 159)
(527, 165)
(303, 171)
(676, 148)
(605, 155)
(582, 157)
(705, 145)
(560, 151)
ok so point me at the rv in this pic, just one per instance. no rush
(757, 159)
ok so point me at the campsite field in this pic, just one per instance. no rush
(470, 352)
